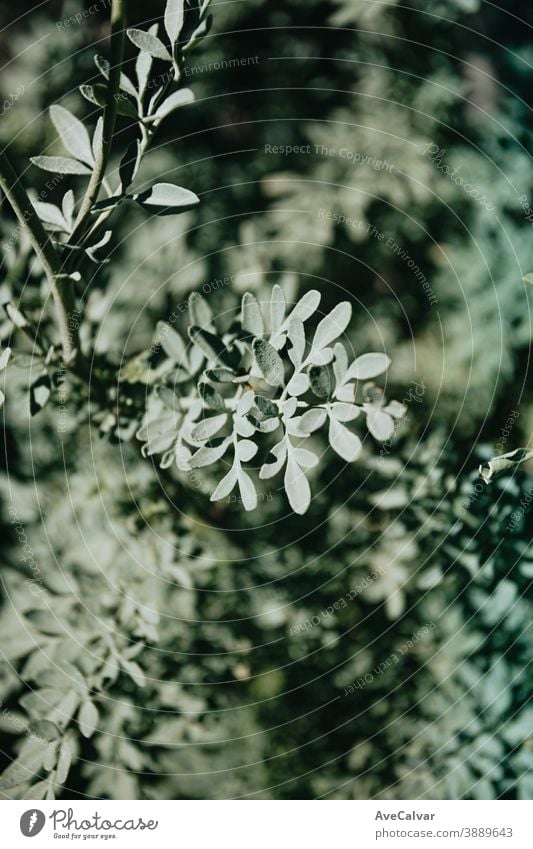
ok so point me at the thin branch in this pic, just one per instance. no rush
(61, 285)
(118, 23)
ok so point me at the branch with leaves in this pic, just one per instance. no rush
(67, 236)
(223, 393)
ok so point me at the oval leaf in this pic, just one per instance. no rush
(149, 44)
(269, 362)
(332, 325)
(73, 134)
(60, 165)
(367, 366)
(297, 487)
(167, 198)
(174, 19)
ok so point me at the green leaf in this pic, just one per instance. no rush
(246, 450)
(143, 64)
(298, 384)
(344, 412)
(266, 407)
(183, 97)
(226, 485)
(15, 315)
(67, 208)
(504, 463)
(4, 358)
(269, 361)
(96, 94)
(296, 336)
(332, 325)
(73, 134)
(313, 419)
(211, 397)
(297, 487)
(199, 33)
(88, 718)
(129, 164)
(220, 375)
(168, 397)
(380, 424)
(92, 250)
(64, 762)
(171, 342)
(321, 382)
(247, 490)
(307, 305)
(149, 43)
(208, 454)
(252, 320)
(199, 310)
(134, 671)
(345, 443)
(278, 307)
(39, 394)
(103, 66)
(60, 165)
(268, 470)
(106, 203)
(212, 346)
(166, 198)
(208, 428)
(25, 768)
(45, 622)
(44, 730)
(127, 108)
(174, 14)
(127, 85)
(51, 215)
(367, 366)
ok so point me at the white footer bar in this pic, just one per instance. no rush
(264, 825)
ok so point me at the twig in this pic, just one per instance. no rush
(61, 285)
(118, 23)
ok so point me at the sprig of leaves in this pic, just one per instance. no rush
(147, 101)
(227, 393)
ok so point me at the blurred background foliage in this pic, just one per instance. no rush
(243, 685)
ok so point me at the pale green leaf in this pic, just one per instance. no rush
(164, 198)
(269, 362)
(88, 718)
(367, 366)
(174, 15)
(297, 487)
(73, 134)
(252, 320)
(149, 43)
(60, 165)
